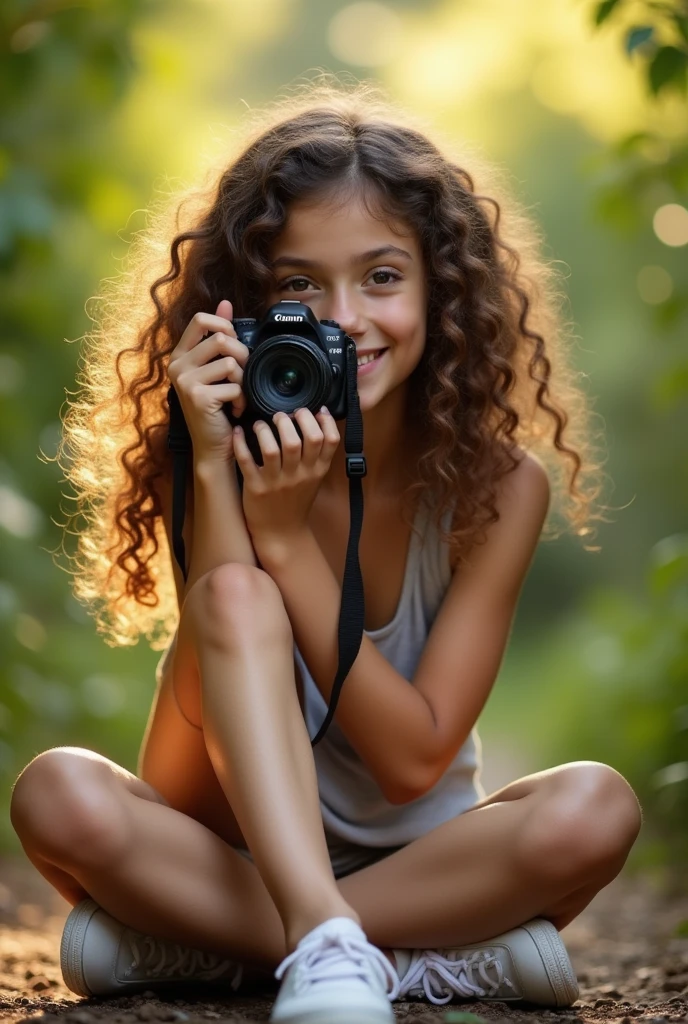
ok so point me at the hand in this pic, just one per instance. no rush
(278, 496)
(198, 368)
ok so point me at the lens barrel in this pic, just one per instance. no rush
(285, 373)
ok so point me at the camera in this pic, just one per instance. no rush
(294, 362)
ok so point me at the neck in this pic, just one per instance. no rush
(387, 448)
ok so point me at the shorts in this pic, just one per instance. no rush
(346, 857)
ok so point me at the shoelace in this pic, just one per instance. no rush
(457, 975)
(331, 955)
(187, 961)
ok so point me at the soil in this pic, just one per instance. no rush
(631, 964)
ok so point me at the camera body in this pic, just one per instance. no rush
(295, 361)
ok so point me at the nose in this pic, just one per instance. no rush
(346, 310)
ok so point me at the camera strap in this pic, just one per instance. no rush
(352, 609)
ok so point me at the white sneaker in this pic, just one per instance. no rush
(100, 956)
(528, 964)
(335, 976)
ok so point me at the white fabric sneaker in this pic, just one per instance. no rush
(528, 964)
(335, 976)
(100, 956)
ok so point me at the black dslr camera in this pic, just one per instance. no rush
(295, 361)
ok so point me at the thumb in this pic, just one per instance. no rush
(224, 309)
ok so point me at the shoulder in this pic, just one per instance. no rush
(522, 503)
(526, 490)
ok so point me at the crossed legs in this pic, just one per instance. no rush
(541, 846)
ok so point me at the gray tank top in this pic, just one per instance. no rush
(352, 804)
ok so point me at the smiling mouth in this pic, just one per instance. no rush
(370, 357)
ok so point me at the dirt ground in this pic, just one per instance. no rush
(630, 962)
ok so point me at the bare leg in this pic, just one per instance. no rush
(543, 847)
(130, 854)
(258, 743)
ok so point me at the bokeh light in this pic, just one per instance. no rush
(670, 224)
(366, 34)
(655, 284)
(30, 633)
(18, 515)
(11, 374)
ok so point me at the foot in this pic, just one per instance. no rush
(100, 956)
(335, 976)
(529, 964)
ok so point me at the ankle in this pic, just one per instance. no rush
(306, 922)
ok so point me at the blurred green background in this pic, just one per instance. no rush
(106, 105)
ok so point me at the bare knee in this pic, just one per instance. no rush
(67, 806)
(236, 603)
(586, 822)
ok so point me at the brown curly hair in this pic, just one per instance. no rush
(487, 386)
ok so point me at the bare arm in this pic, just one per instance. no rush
(407, 732)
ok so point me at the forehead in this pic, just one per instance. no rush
(312, 227)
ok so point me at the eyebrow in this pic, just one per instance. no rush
(364, 257)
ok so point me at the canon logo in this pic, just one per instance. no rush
(281, 316)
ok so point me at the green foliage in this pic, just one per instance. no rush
(621, 667)
(627, 659)
(604, 9)
(666, 63)
(65, 69)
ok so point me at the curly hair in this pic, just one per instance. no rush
(488, 385)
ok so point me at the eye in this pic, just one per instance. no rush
(392, 276)
(301, 284)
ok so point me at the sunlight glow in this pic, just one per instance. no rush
(366, 34)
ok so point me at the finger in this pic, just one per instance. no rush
(200, 325)
(224, 309)
(226, 368)
(244, 459)
(331, 436)
(218, 344)
(312, 436)
(290, 442)
(272, 457)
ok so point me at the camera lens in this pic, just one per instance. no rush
(285, 373)
(288, 380)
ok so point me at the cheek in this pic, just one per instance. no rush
(404, 320)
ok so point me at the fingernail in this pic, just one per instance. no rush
(238, 430)
(324, 410)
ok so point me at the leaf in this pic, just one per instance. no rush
(668, 563)
(682, 25)
(681, 930)
(604, 10)
(638, 36)
(629, 143)
(668, 67)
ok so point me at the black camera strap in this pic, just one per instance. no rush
(352, 609)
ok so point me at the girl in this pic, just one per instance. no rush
(373, 866)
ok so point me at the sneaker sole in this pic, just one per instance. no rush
(72, 944)
(555, 959)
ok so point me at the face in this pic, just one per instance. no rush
(350, 267)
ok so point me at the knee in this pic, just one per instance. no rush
(65, 806)
(588, 822)
(235, 602)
